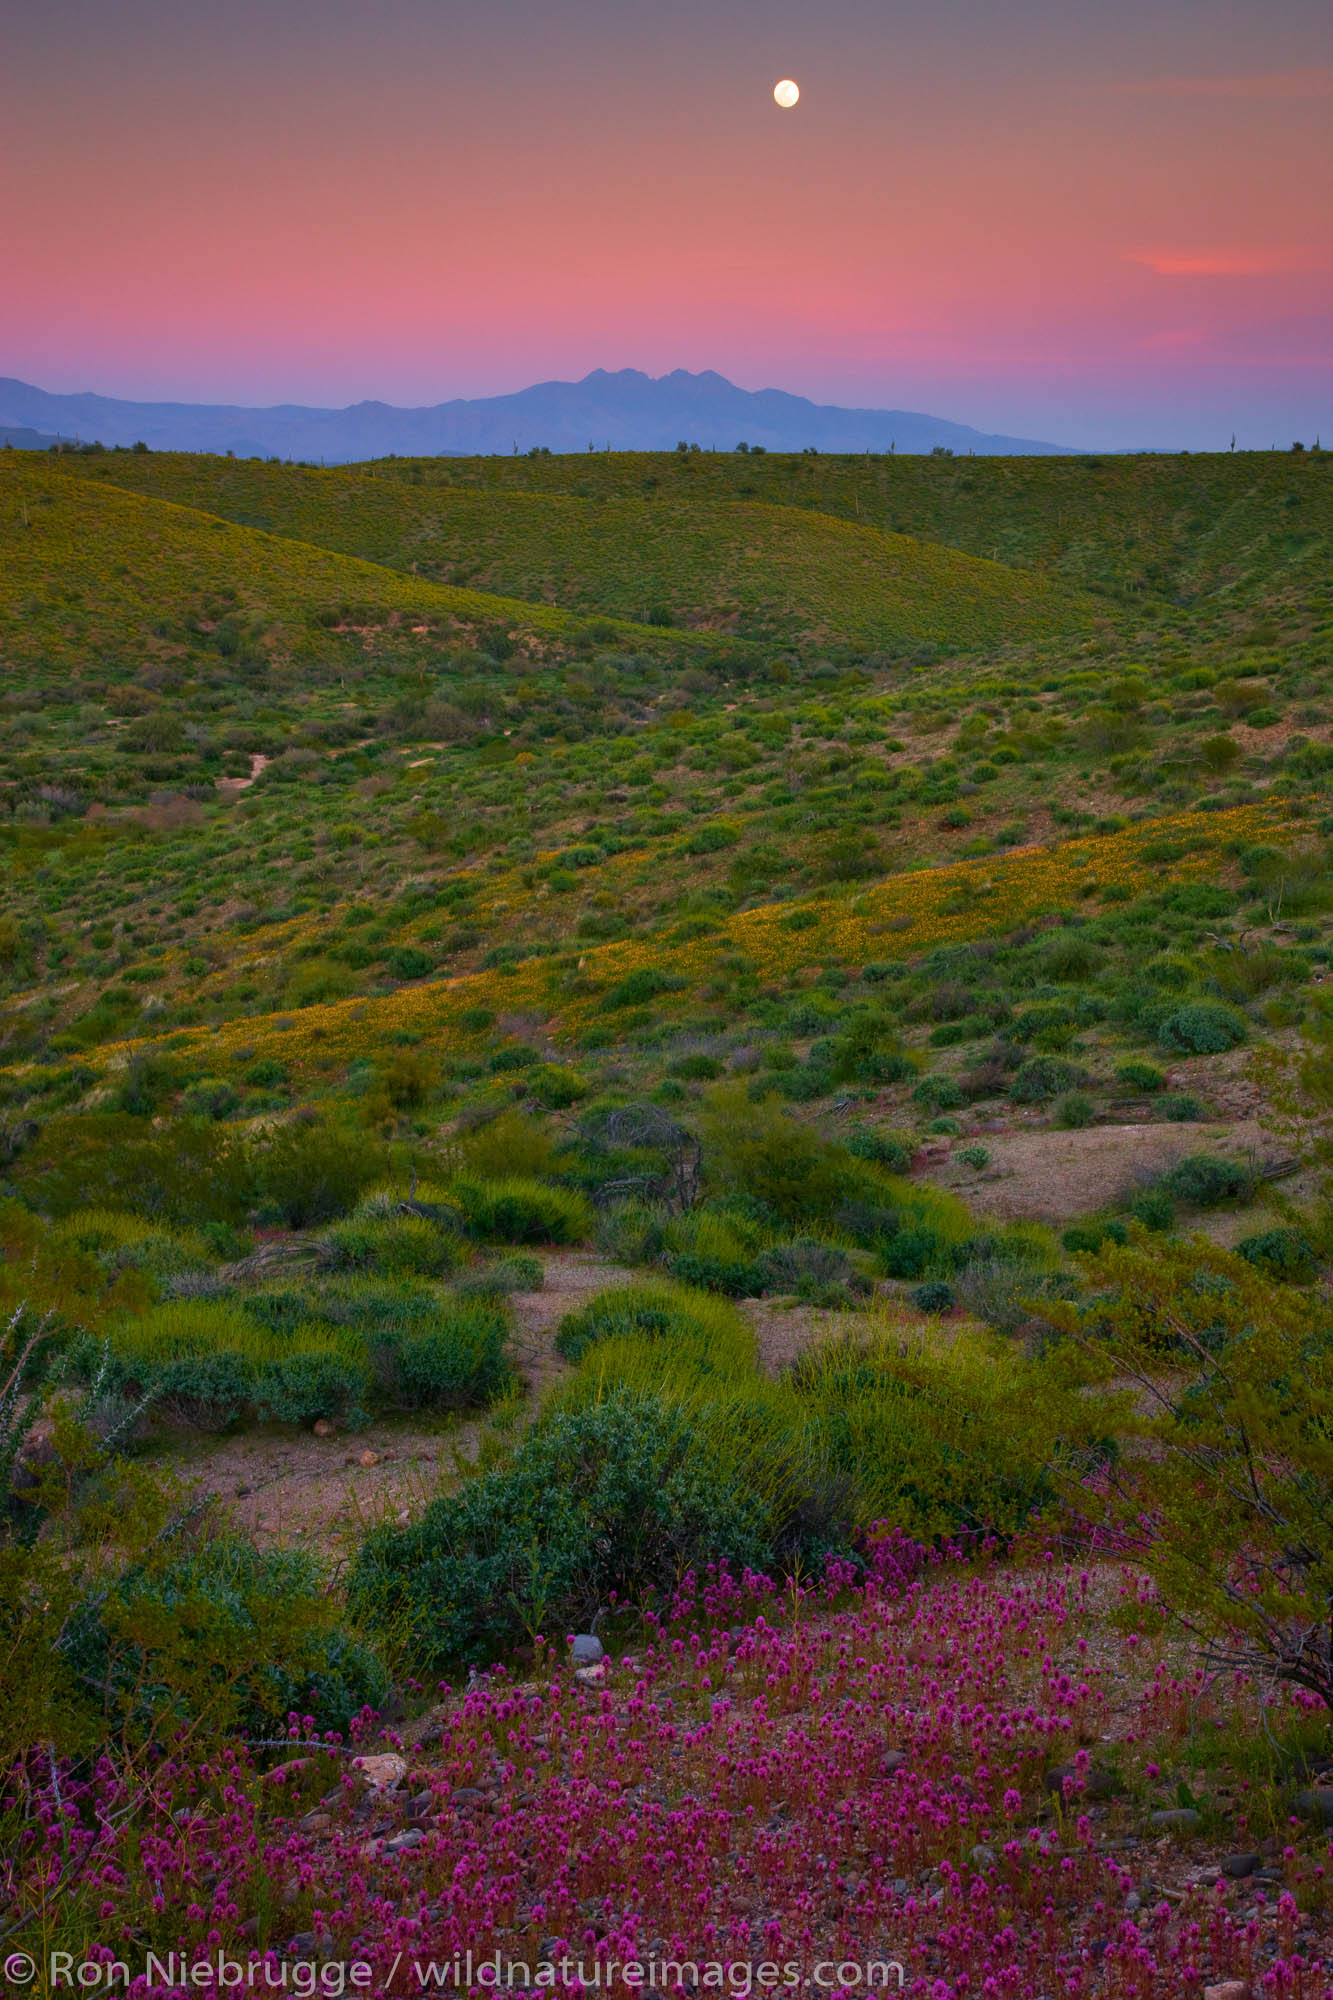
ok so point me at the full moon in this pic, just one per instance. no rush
(786, 93)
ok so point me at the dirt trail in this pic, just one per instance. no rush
(1051, 1176)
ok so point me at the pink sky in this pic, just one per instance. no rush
(1094, 230)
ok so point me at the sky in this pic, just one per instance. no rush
(1105, 225)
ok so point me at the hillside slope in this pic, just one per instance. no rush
(761, 571)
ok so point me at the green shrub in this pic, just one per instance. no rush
(706, 1333)
(696, 1068)
(935, 1297)
(459, 1362)
(938, 1093)
(555, 1086)
(1179, 1108)
(1281, 1253)
(227, 1632)
(1043, 1077)
(1154, 1208)
(400, 1246)
(808, 1268)
(894, 1150)
(910, 1251)
(496, 1281)
(301, 1387)
(1074, 1111)
(1203, 1180)
(976, 1157)
(303, 1175)
(1140, 1076)
(1087, 1237)
(185, 1173)
(1203, 1027)
(520, 1210)
(408, 961)
(611, 1499)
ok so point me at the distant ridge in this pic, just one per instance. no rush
(626, 410)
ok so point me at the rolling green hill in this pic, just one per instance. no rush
(761, 571)
(90, 572)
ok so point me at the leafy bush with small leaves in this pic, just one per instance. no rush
(1204, 1180)
(1202, 1027)
(1043, 1077)
(1143, 1076)
(1282, 1253)
(1074, 1111)
(399, 1246)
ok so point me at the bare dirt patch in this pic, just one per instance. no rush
(1052, 1176)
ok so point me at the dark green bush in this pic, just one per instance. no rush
(614, 1498)
(935, 1297)
(1202, 1027)
(300, 1388)
(408, 961)
(886, 1149)
(523, 1210)
(459, 1363)
(804, 1267)
(1154, 1208)
(910, 1251)
(1043, 1077)
(1282, 1253)
(938, 1093)
(1180, 1108)
(735, 1279)
(185, 1173)
(696, 1068)
(1203, 1180)
(1087, 1237)
(1140, 1076)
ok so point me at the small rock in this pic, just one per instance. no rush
(409, 1837)
(381, 1771)
(465, 1795)
(243, 1491)
(302, 1945)
(586, 1649)
(421, 1805)
(590, 1674)
(1238, 1866)
(322, 1428)
(1176, 1819)
(1133, 1901)
(891, 1761)
(1316, 1804)
(316, 1822)
(982, 1856)
(1230, 1989)
(369, 1458)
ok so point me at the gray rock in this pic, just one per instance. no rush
(398, 1842)
(1238, 1866)
(982, 1856)
(891, 1761)
(1133, 1901)
(1316, 1804)
(1176, 1819)
(586, 1649)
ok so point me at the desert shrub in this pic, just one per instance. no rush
(458, 1362)
(1235, 1436)
(186, 1173)
(513, 1143)
(1281, 1253)
(758, 1149)
(1043, 1077)
(893, 1150)
(1086, 1237)
(303, 1175)
(631, 1232)
(999, 1290)
(610, 1500)
(933, 1441)
(222, 1631)
(496, 1281)
(911, 1250)
(938, 1093)
(976, 1157)
(937, 1296)
(211, 1097)
(1140, 1076)
(1153, 1208)
(1074, 1111)
(1202, 1027)
(408, 961)
(1203, 1180)
(808, 1268)
(310, 1383)
(555, 1086)
(1069, 958)
(645, 983)
(696, 1068)
(399, 1246)
(707, 1334)
(1179, 1108)
(518, 1209)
